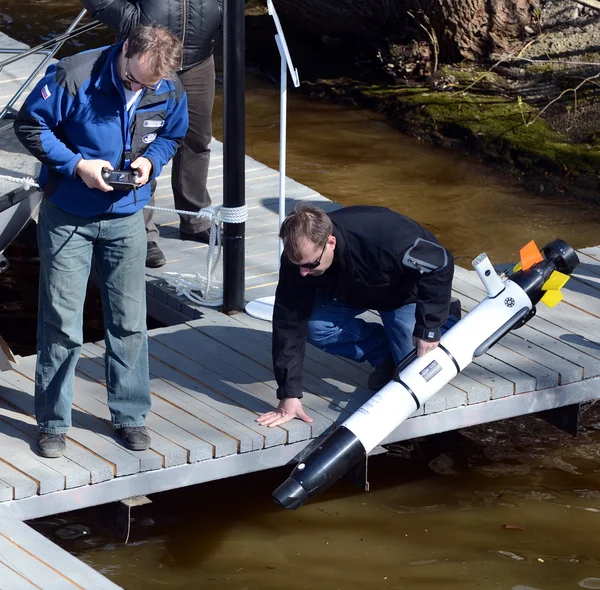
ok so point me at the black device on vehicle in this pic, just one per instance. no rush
(121, 180)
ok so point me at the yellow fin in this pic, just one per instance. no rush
(556, 281)
(551, 298)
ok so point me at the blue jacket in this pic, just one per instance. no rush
(78, 110)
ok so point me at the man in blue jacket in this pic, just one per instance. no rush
(196, 23)
(117, 108)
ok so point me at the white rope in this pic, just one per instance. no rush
(27, 182)
(185, 283)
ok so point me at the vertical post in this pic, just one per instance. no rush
(282, 138)
(234, 140)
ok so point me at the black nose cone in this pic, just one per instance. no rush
(290, 494)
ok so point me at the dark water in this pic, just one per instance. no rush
(437, 514)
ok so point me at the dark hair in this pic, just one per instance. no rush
(158, 46)
(306, 222)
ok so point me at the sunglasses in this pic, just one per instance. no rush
(314, 264)
(132, 79)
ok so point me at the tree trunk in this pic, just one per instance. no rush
(464, 29)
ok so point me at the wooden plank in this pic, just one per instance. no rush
(177, 384)
(178, 371)
(68, 567)
(180, 339)
(475, 391)
(593, 252)
(325, 409)
(22, 485)
(21, 398)
(242, 398)
(91, 432)
(6, 491)
(12, 579)
(353, 372)
(172, 453)
(97, 468)
(73, 474)
(220, 350)
(180, 424)
(35, 571)
(326, 399)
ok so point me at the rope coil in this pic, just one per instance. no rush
(185, 283)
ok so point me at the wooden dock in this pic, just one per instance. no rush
(211, 377)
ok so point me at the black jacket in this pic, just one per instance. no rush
(195, 22)
(382, 261)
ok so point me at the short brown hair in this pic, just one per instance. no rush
(306, 222)
(158, 46)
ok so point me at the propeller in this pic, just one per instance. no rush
(530, 255)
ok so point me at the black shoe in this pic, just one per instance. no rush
(202, 236)
(382, 375)
(155, 257)
(52, 446)
(455, 309)
(135, 438)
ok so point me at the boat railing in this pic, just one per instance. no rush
(48, 50)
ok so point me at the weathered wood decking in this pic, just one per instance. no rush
(211, 377)
(29, 561)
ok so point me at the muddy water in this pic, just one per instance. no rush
(438, 510)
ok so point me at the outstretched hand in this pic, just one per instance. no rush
(288, 409)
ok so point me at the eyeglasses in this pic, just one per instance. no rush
(316, 263)
(132, 79)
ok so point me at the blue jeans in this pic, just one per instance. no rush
(67, 244)
(334, 327)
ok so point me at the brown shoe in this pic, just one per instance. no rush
(52, 446)
(135, 438)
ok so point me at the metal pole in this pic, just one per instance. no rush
(58, 43)
(234, 153)
(282, 139)
(69, 34)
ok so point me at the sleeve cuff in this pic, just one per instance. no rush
(283, 393)
(427, 334)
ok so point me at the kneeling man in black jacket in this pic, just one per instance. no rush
(335, 267)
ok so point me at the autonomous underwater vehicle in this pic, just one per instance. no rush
(509, 304)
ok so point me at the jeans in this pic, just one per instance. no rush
(190, 164)
(334, 328)
(67, 244)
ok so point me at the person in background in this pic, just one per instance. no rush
(196, 23)
(335, 267)
(118, 107)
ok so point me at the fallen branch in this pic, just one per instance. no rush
(589, 3)
(574, 90)
(500, 61)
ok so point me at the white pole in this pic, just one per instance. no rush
(282, 138)
(263, 307)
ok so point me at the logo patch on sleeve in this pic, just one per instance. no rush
(149, 138)
(46, 94)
